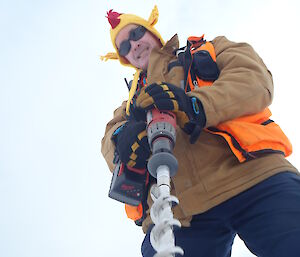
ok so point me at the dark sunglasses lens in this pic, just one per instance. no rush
(134, 35)
(124, 48)
(137, 33)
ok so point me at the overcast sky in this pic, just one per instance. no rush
(56, 97)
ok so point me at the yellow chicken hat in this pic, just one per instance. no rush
(119, 21)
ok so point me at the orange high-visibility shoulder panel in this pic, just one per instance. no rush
(247, 136)
(253, 134)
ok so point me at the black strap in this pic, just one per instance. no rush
(187, 65)
(186, 59)
(171, 65)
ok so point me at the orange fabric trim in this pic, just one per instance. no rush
(194, 38)
(202, 83)
(256, 118)
(207, 46)
(235, 151)
(190, 82)
(195, 41)
(252, 136)
(134, 212)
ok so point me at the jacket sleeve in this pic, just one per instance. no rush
(244, 86)
(107, 146)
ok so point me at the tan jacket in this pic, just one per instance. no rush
(209, 173)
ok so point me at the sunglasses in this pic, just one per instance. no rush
(134, 35)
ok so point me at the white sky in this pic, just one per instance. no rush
(56, 98)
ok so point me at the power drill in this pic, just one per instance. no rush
(128, 184)
(161, 131)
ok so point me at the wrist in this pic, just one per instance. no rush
(115, 134)
(199, 116)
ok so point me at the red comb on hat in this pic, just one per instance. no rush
(113, 18)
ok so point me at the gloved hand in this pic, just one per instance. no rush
(132, 144)
(136, 113)
(189, 110)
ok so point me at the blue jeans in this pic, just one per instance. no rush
(266, 217)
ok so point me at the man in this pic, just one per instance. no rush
(233, 177)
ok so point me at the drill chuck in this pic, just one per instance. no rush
(161, 131)
(161, 124)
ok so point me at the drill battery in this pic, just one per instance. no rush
(128, 185)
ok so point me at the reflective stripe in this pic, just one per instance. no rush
(131, 163)
(195, 105)
(171, 94)
(176, 106)
(135, 146)
(142, 134)
(133, 156)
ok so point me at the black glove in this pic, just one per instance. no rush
(189, 110)
(136, 113)
(132, 144)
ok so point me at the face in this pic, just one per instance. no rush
(140, 49)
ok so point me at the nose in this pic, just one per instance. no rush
(135, 45)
